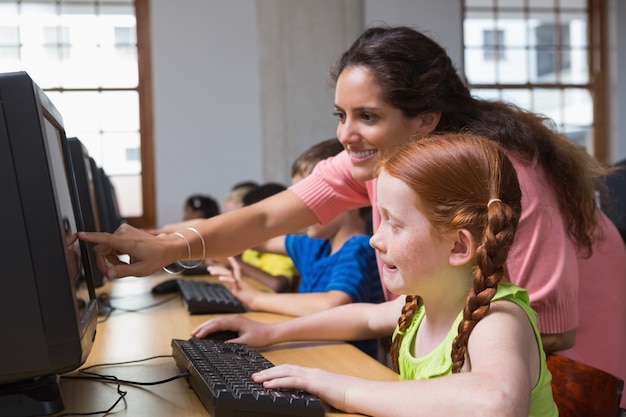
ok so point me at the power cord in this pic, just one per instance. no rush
(112, 379)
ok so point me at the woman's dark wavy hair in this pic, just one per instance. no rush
(456, 176)
(415, 75)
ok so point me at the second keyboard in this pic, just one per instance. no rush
(208, 298)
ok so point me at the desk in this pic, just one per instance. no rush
(127, 336)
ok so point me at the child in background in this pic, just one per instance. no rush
(336, 263)
(334, 260)
(233, 199)
(199, 206)
(275, 271)
(466, 341)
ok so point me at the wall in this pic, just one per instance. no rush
(440, 20)
(298, 42)
(207, 120)
(617, 67)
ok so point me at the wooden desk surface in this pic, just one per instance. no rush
(127, 336)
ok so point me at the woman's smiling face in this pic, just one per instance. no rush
(368, 125)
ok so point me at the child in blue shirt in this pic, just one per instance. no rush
(335, 261)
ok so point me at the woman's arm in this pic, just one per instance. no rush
(559, 341)
(224, 235)
(173, 227)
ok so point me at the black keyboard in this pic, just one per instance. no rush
(208, 297)
(196, 270)
(220, 375)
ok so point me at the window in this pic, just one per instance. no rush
(84, 55)
(493, 40)
(537, 54)
(551, 59)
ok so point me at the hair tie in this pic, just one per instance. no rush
(493, 200)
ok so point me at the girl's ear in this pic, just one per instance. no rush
(464, 248)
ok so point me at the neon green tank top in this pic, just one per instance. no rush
(438, 362)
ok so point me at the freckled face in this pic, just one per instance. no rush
(368, 125)
(413, 258)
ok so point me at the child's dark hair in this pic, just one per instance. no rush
(262, 192)
(304, 164)
(203, 203)
(462, 181)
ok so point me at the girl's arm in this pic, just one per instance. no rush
(355, 321)
(502, 369)
(224, 235)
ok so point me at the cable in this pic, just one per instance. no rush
(118, 382)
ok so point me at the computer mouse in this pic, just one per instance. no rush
(166, 287)
(222, 335)
(104, 305)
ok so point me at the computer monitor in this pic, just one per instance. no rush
(48, 305)
(86, 192)
(110, 217)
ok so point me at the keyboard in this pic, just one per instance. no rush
(208, 297)
(196, 270)
(220, 375)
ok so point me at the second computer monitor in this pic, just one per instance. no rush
(86, 193)
(109, 213)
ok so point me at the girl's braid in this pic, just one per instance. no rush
(490, 255)
(408, 311)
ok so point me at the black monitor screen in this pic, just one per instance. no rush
(47, 301)
(67, 222)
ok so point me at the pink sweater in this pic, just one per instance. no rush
(542, 259)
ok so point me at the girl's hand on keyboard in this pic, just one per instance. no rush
(252, 333)
(330, 387)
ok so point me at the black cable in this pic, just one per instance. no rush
(118, 382)
(122, 395)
